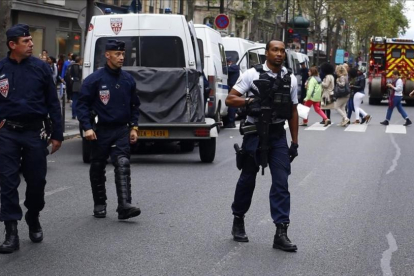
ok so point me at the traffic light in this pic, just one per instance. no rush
(289, 35)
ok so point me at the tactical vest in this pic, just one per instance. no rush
(282, 101)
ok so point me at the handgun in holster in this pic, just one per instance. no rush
(239, 156)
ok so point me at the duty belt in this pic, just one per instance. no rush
(23, 126)
(250, 128)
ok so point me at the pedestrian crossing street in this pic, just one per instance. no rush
(392, 129)
(398, 129)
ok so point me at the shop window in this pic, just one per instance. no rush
(64, 24)
(68, 42)
(409, 53)
(37, 35)
(396, 53)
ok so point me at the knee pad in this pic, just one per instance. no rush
(122, 164)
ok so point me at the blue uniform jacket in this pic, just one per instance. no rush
(234, 73)
(111, 95)
(28, 93)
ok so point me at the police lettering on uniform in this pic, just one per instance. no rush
(270, 92)
(110, 93)
(28, 97)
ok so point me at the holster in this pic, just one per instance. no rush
(239, 156)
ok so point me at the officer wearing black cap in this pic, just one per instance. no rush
(28, 97)
(110, 93)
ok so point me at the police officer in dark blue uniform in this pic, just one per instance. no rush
(279, 154)
(110, 93)
(234, 74)
(28, 97)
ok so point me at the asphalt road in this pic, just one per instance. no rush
(351, 214)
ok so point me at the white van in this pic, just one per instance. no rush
(236, 47)
(215, 69)
(162, 56)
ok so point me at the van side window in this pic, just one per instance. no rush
(148, 51)
(254, 58)
(201, 49)
(223, 58)
(233, 55)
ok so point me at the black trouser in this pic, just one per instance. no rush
(111, 141)
(27, 149)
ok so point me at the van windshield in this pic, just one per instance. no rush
(153, 51)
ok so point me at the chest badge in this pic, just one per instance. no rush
(4, 87)
(116, 25)
(104, 95)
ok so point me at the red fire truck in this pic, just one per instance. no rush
(386, 55)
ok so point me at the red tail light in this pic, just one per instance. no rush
(202, 132)
(371, 62)
(212, 83)
(90, 27)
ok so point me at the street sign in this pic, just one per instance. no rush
(310, 46)
(346, 54)
(222, 21)
(339, 57)
(82, 16)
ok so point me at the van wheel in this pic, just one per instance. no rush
(86, 151)
(207, 150)
(409, 102)
(373, 101)
(217, 118)
(187, 146)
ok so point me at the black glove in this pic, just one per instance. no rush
(253, 107)
(293, 151)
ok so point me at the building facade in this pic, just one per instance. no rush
(54, 23)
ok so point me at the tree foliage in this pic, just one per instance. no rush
(352, 23)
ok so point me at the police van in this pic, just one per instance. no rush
(162, 55)
(215, 68)
(236, 47)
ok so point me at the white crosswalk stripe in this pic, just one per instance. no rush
(396, 129)
(319, 127)
(357, 127)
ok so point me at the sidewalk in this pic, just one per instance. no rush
(71, 125)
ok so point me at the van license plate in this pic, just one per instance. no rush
(153, 133)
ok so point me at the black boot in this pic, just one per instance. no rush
(281, 240)
(35, 230)
(238, 231)
(11, 243)
(407, 122)
(97, 176)
(123, 189)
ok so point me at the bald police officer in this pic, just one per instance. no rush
(28, 97)
(284, 85)
(110, 93)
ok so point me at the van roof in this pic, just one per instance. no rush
(202, 26)
(141, 21)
